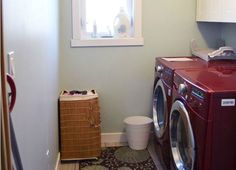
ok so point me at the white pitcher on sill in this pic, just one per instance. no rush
(122, 24)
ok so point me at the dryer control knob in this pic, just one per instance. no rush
(182, 89)
(160, 68)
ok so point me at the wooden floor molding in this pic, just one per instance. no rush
(68, 166)
(58, 161)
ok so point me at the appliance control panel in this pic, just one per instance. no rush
(196, 98)
(167, 76)
(164, 72)
(197, 93)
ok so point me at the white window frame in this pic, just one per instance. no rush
(77, 41)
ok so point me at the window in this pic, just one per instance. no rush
(106, 23)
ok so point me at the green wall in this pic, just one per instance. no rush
(123, 76)
(229, 34)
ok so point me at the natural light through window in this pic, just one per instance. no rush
(100, 24)
(106, 23)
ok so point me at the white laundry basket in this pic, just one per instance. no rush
(137, 131)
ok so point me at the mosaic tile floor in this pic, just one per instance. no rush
(120, 158)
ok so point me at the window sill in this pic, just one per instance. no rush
(106, 42)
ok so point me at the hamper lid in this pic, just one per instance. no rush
(138, 120)
(91, 94)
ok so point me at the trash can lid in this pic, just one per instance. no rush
(138, 120)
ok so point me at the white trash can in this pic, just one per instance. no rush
(137, 131)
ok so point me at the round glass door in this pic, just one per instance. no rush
(181, 137)
(159, 109)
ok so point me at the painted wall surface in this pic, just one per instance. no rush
(229, 34)
(31, 30)
(123, 76)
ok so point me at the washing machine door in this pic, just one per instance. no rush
(159, 109)
(181, 137)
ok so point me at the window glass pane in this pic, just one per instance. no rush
(100, 16)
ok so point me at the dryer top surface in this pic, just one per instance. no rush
(191, 62)
(214, 79)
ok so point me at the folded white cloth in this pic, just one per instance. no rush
(69, 97)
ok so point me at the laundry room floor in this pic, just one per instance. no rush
(118, 158)
(69, 166)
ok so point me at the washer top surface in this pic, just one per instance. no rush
(182, 62)
(217, 78)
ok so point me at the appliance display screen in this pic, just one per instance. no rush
(198, 93)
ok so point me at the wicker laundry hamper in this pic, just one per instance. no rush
(80, 132)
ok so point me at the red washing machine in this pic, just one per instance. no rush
(202, 127)
(162, 98)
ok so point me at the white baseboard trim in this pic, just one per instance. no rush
(58, 161)
(113, 139)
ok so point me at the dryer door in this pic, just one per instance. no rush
(159, 109)
(181, 137)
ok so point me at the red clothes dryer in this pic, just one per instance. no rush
(162, 98)
(202, 122)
